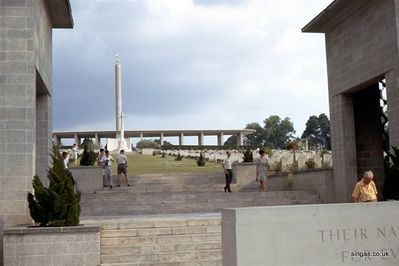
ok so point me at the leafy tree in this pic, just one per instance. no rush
(59, 204)
(318, 132)
(277, 132)
(231, 142)
(256, 138)
(149, 144)
(166, 145)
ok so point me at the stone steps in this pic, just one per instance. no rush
(111, 204)
(172, 220)
(161, 240)
(196, 182)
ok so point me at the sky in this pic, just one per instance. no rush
(189, 64)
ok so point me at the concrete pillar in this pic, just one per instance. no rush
(181, 139)
(201, 139)
(56, 140)
(76, 139)
(141, 136)
(343, 142)
(239, 139)
(43, 135)
(161, 138)
(220, 139)
(96, 139)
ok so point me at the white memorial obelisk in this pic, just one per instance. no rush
(118, 105)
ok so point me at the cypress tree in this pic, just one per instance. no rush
(88, 156)
(59, 204)
(201, 160)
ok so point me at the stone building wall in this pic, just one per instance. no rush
(25, 101)
(362, 49)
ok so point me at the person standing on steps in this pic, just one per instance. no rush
(228, 172)
(100, 155)
(262, 167)
(75, 154)
(121, 159)
(107, 161)
(65, 159)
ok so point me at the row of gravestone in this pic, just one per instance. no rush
(284, 158)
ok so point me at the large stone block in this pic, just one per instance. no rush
(312, 235)
(52, 246)
(88, 178)
(14, 3)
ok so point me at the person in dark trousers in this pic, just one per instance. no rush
(228, 172)
(107, 161)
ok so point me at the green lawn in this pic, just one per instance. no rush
(141, 164)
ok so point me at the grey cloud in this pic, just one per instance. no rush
(217, 2)
(192, 72)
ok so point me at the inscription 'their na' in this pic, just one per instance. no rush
(347, 234)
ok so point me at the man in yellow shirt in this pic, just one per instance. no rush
(365, 190)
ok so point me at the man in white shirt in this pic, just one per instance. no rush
(228, 172)
(75, 154)
(107, 162)
(65, 159)
(122, 167)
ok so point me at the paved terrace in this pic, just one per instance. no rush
(98, 135)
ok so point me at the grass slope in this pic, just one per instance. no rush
(141, 164)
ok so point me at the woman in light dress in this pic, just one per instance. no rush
(262, 167)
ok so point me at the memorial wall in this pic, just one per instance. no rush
(312, 235)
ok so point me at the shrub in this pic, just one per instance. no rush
(59, 204)
(269, 151)
(290, 180)
(311, 163)
(201, 160)
(163, 155)
(179, 157)
(324, 164)
(294, 166)
(277, 166)
(391, 182)
(88, 156)
(248, 156)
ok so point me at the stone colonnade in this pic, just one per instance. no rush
(181, 134)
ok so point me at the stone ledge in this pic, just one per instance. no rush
(40, 230)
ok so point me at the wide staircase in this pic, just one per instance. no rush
(171, 219)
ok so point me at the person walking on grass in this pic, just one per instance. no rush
(107, 161)
(262, 167)
(228, 172)
(121, 159)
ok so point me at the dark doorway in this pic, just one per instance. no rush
(369, 132)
